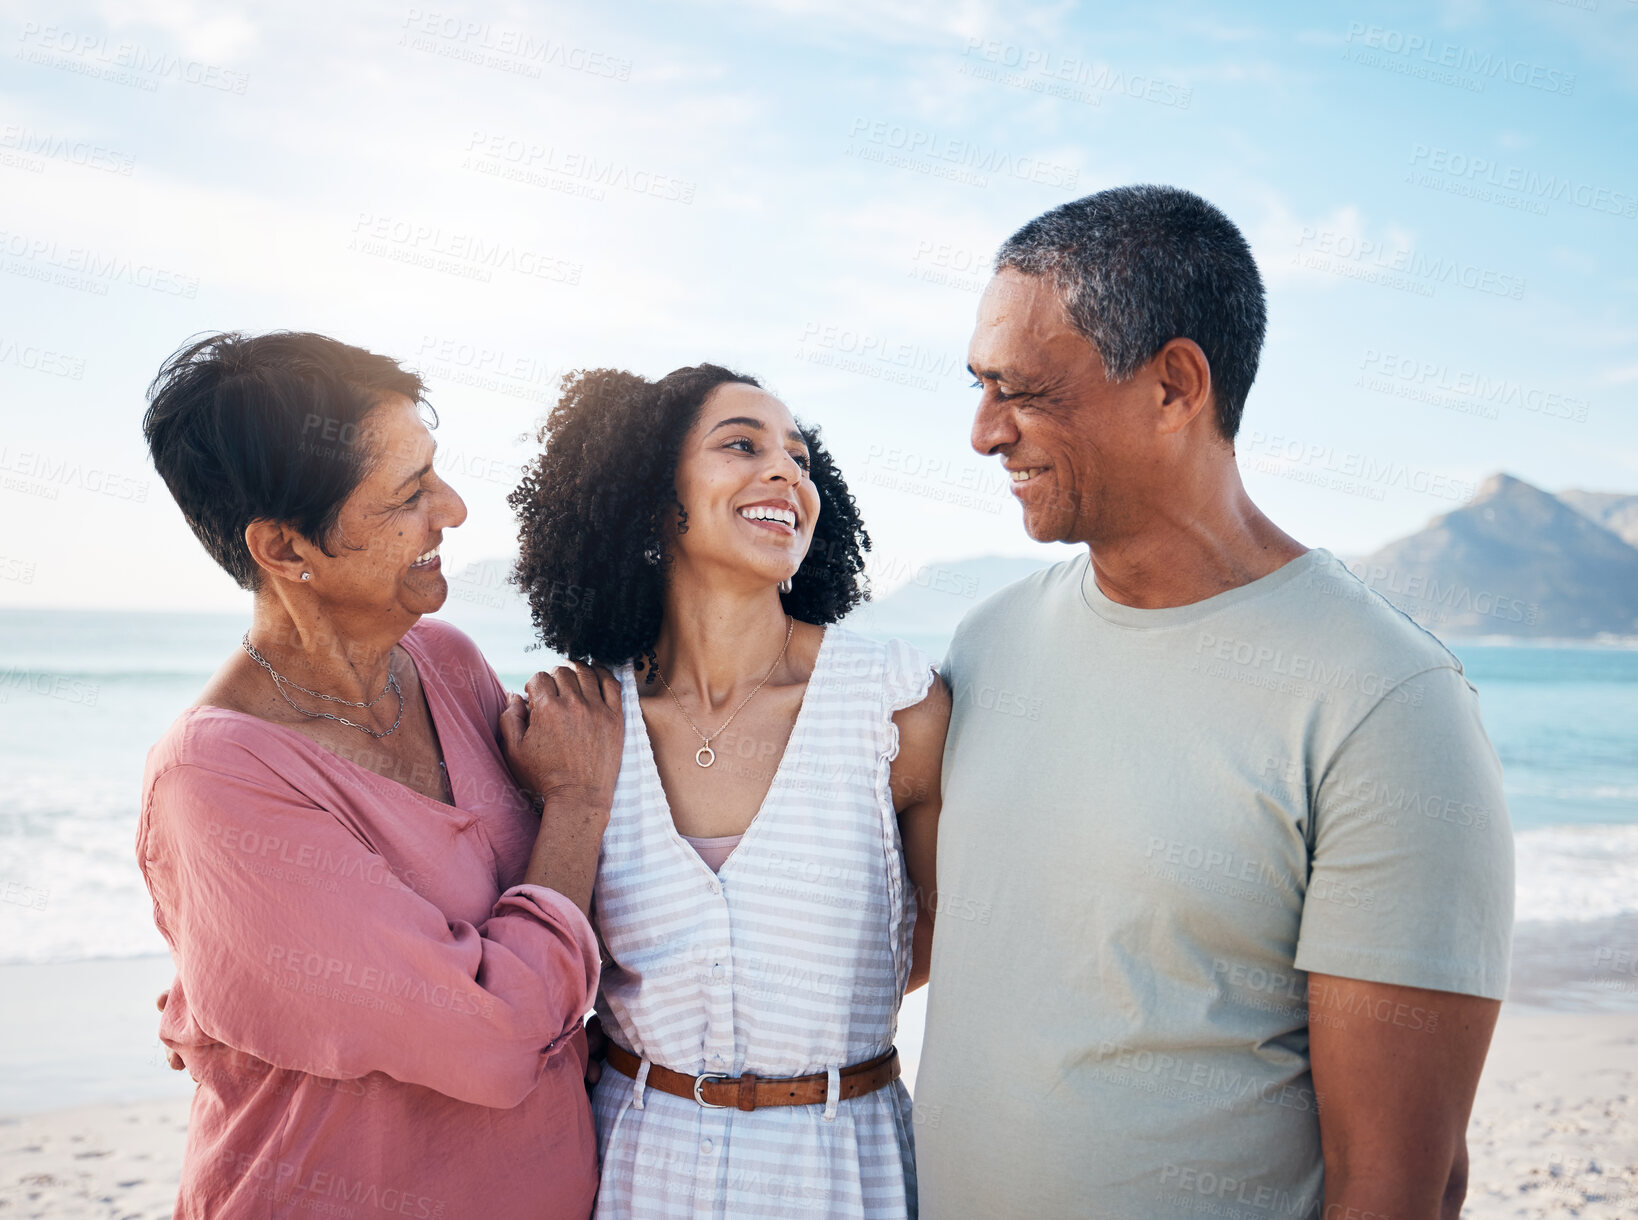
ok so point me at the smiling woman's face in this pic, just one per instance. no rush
(742, 477)
(387, 535)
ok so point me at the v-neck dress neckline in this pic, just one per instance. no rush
(793, 743)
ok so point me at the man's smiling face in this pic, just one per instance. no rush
(1079, 448)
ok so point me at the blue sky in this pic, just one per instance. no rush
(1443, 200)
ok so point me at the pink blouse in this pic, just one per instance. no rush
(381, 1020)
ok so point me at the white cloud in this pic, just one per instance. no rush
(202, 31)
(258, 195)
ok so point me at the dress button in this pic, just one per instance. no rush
(706, 1146)
(716, 971)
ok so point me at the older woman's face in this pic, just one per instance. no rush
(742, 475)
(387, 535)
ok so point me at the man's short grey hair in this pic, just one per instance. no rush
(1137, 266)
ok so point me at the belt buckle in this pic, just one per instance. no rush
(699, 1082)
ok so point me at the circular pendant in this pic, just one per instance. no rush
(705, 756)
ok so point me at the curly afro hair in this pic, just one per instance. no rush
(594, 507)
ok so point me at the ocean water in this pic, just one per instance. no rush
(84, 694)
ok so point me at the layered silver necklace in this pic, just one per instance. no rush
(280, 682)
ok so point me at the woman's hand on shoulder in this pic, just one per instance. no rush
(563, 744)
(563, 737)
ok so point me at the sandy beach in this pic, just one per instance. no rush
(1554, 1131)
(1555, 1124)
(103, 1161)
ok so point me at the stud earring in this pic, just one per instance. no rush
(307, 576)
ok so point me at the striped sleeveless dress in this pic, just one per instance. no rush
(792, 960)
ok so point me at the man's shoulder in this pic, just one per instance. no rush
(1019, 603)
(1333, 612)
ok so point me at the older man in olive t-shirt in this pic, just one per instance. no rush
(1225, 870)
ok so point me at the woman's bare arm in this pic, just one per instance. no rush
(916, 796)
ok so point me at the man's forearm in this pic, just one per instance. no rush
(1389, 1195)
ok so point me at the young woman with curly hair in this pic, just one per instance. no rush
(776, 812)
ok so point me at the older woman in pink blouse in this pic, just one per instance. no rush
(382, 951)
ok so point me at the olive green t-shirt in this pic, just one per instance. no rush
(1155, 823)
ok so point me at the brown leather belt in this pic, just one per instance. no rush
(718, 1091)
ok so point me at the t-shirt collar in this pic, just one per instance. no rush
(1123, 615)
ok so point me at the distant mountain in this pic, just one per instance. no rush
(1616, 512)
(1515, 560)
(936, 596)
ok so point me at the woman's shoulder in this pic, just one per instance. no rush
(897, 668)
(226, 745)
(889, 651)
(446, 657)
(440, 640)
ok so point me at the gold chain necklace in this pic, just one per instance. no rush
(705, 755)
